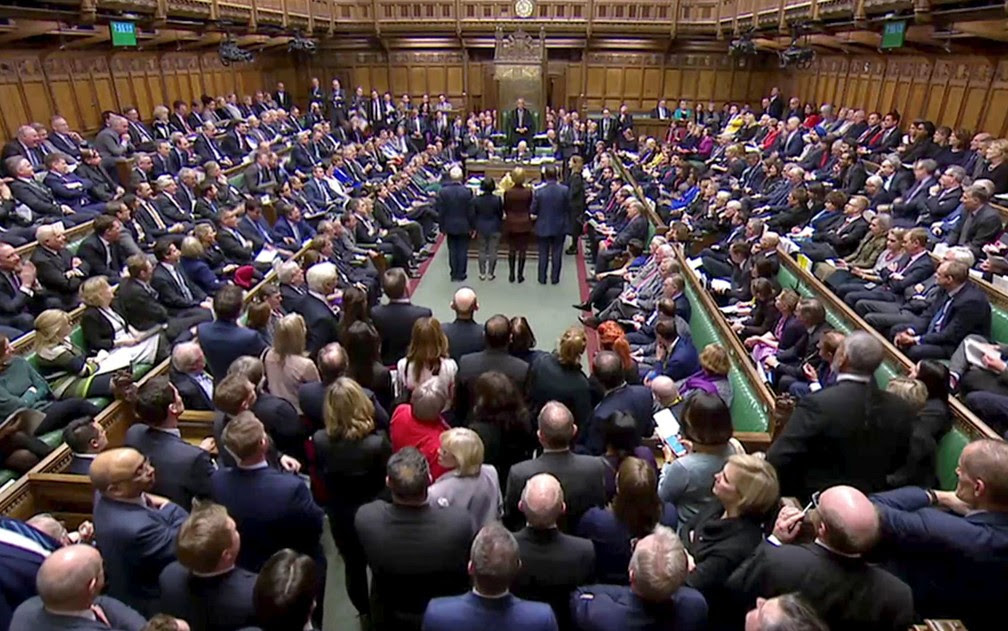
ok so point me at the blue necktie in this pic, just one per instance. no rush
(938, 319)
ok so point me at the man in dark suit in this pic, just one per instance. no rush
(188, 375)
(176, 291)
(635, 400)
(86, 439)
(101, 251)
(550, 210)
(494, 564)
(393, 536)
(849, 433)
(60, 273)
(523, 126)
(22, 551)
(494, 356)
(963, 310)
(223, 340)
(394, 319)
(608, 129)
(553, 563)
(134, 529)
(282, 97)
(951, 547)
(455, 216)
(185, 468)
(831, 573)
(911, 269)
(70, 580)
(792, 142)
(139, 304)
(207, 147)
(205, 587)
(634, 227)
(235, 143)
(17, 290)
(464, 334)
(24, 145)
(320, 317)
(979, 225)
(656, 597)
(580, 476)
(38, 199)
(294, 519)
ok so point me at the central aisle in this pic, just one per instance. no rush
(547, 307)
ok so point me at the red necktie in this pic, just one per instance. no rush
(876, 138)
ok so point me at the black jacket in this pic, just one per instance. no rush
(394, 322)
(102, 260)
(552, 565)
(580, 476)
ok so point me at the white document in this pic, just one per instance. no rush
(719, 284)
(975, 350)
(666, 424)
(694, 263)
(265, 256)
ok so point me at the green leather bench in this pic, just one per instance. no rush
(746, 409)
(999, 325)
(951, 445)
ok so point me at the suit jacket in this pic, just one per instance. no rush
(617, 608)
(551, 206)
(194, 397)
(977, 229)
(18, 568)
(208, 603)
(391, 535)
(33, 615)
(102, 185)
(454, 208)
(109, 145)
(51, 268)
(968, 314)
(321, 323)
(848, 593)
(471, 366)
(792, 144)
(952, 563)
(13, 301)
(235, 147)
(470, 610)
(139, 306)
(636, 400)
(464, 337)
(394, 322)
(101, 259)
(552, 565)
(224, 342)
(69, 189)
(183, 469)
(136, 543)
(294, 520)
(208, 149)
(850, 433)
(79, 465)
(36, 197)
(580, 476)
(170, 291)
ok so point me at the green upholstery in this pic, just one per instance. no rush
(238, 181)
(949, 448)
(999, 325)
(746, 410)
(73, 245)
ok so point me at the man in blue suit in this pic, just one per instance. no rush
(656, 598)
(185, 468)
(951, 547)
(550, 210)
(455, 216)
(134, 529)
(493, 565)
(22, 551)
(86, 439)
(635, 400)
(223, 340)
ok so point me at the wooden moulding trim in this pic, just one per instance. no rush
(966, 420)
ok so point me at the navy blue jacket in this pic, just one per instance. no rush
(199, 272)
(613, 541)
(617, 608)
(488, 213)
(33, 615)
(136, 542)
(18, 568)
(182, 470)
(208, 603)
(956, 566)
(272, 510)
(454, 208)
(224, 342)
(636, 400)
(282, 228)
(551, 207)
(470, 611)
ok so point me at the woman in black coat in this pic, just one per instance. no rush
(576, 188)
(764, 314)
(932, 422)
(501, 420)
(488, 215)
(728, 529)
(558, 377)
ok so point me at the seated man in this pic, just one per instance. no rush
(656, 597)
(35, 202)
(101, 250)
(59, 272)
(69, 188)
(86, 438)
(176, 291)
(188, 375)
(20, 292)
(139, 303)
(223, 340)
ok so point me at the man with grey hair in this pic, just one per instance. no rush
(455, 216)
(580, 476)
(70, 582)
(656, 597)
(553, 563)
(980, 223)
(24, 145)
(493, 565)
(189, 375)
(319, 314)
(850, 433)
(788, 612)
(113, 142)
(944, 198)
(291, 277)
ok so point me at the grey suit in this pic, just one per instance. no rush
(108, 144)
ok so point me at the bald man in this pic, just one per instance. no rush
(464, 334)
(69, 597)
(553, 563)
(134, 529)
(831, 572)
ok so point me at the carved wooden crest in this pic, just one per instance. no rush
(519, 47)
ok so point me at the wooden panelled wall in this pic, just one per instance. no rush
(969, 92)
(79, 86)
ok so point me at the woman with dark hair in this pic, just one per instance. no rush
(558, 377)
(523, 341)
(284, 592)
(932, 422)
(686, 480)
(764, 315)
(633, 513)
(622, 439)
(355, 309)
(426, 358)
(502, 421)
(363, 348)
(488, 215)
(954, 152)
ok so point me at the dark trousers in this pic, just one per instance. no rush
(605, 291)
(992, 407)
(458, 255)
(58, 414)
(354, 562)
(550, 248)
(716, 263)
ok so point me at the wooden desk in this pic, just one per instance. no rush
(653, 127)
(499, 168)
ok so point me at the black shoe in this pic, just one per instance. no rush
(521, 279)
(511, 277)
(570, 251)
(589, 321)
(584, 306)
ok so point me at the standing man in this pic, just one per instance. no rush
(454, 208)
(550, 210)
(522, 124)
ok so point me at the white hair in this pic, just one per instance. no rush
(320, 277)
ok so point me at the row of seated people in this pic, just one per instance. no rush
(405, 492)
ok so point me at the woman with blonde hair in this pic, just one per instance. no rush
(727, 530)
(517, 223)
(712, 378)
(559, 377)
(427, 358)
(286, 365)
(467, 482)
(67, 368)
(351, 455)
(106, 330)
